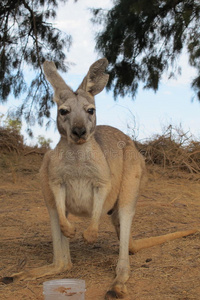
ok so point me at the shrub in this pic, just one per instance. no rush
(173, 149)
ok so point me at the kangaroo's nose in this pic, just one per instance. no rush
(79, 131)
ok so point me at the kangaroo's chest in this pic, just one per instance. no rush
(80, 178)
(79, 196)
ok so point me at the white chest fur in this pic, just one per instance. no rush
(80, 176)
(79, 196)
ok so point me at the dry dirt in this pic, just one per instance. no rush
(168, 271)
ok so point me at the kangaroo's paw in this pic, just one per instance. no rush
(90, 235)
(68, 230)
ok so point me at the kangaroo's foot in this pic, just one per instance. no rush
(117, 291)
(36, 273)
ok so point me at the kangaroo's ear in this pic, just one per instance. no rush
(53, 77)
(95, 80)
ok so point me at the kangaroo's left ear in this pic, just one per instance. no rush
(95, 80)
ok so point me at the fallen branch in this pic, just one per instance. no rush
(35, 152)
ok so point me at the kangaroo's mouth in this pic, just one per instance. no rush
(77, 140)
(81, 141)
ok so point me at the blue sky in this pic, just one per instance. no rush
(148, 112)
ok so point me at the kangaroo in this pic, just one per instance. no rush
(93, 170)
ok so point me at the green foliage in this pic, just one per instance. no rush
(27, 38)
(1, 119)
(10, 136)
(11, 124)
(143, 38)
(43, 142)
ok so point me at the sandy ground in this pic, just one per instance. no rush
(168, 204)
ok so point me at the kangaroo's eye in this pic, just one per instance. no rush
(64, 112)
(91, 111)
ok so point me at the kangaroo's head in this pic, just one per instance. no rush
(76, 117)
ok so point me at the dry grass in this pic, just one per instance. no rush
(174, 149)
(11, 140)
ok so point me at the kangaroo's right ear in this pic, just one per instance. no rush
(53, 77)
(95, 80)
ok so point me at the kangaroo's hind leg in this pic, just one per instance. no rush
(122, 219)
(61, 260)
(61, 255)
